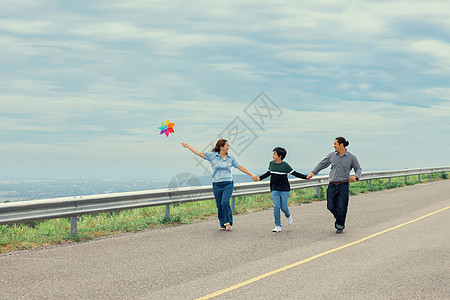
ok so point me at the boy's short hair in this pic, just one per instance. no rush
(281, 152)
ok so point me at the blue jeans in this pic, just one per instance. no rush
(280, 201)
(222, 193)
(337, 202)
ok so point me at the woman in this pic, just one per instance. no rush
(223, 185)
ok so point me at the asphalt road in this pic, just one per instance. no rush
(191, 261)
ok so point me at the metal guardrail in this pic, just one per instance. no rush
(34, 210)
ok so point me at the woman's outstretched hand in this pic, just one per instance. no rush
(193, 150)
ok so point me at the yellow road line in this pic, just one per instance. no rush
(296, 264)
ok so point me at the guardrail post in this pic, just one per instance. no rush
(73, 226)
(419, 177)
(431, 176)
(167, 211)
(318, 192)
(233, 203)
(406, 179)
(390, 181)
(370, 183)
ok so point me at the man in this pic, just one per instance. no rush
(342, 162)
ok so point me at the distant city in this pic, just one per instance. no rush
(12, 190)
(33, 187)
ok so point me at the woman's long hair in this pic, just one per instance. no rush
(220, 143)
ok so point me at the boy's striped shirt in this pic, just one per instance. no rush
(279, 176)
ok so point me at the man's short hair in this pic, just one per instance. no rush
(342, 140)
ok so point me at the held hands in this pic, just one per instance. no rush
(352, 178)
(255, 177)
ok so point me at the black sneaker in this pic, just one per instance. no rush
(339, 231)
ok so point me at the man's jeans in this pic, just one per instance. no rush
(222, 193)
(280, 201)
(337, 202)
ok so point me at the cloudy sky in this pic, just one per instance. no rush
(84, 84)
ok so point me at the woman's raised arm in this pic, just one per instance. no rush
(195, 151)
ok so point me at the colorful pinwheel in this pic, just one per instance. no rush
(166, 128)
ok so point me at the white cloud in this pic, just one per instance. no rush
(440, 93)
(29, 27)
(243, 70)
(438, 50)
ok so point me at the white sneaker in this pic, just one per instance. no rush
(290, 220)
(277, 229)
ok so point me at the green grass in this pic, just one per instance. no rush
(57, 231)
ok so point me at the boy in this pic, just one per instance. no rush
(279, 185)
